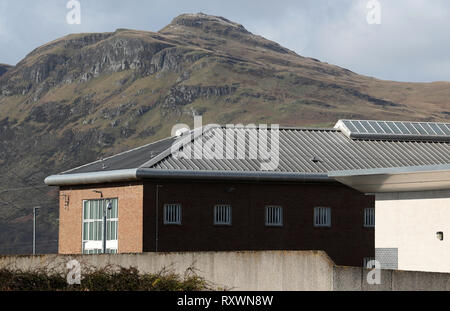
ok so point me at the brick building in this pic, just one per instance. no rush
(243, 188)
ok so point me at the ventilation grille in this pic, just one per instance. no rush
(387, 257)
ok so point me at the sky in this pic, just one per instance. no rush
(409, 41)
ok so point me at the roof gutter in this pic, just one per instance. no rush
(91, 178)
(145, 173)
(233, 175)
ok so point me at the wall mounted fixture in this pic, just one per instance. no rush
(99, 192)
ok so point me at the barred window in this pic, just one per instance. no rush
(322, 217)
(366, 261)
(222, 215)
(274, 216)
(172, 214)
(369, 217)
(93, 217)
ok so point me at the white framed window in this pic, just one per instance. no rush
(93, 218)
(369, 217)
(172, 214)
(274, 216)
(322, 217)
(222, 215)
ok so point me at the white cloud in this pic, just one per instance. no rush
(410, 41)
(411, 44)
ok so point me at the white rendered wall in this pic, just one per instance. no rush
(409, 221)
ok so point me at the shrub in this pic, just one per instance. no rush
(105, 279)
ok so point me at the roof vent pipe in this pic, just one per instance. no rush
(316, 159)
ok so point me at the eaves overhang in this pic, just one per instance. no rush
(398, 179)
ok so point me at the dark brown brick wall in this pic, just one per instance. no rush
(346, 242)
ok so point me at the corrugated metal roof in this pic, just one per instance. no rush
(301, 150)
(312, 151)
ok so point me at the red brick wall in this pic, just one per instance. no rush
(346, 242)
(130, 228)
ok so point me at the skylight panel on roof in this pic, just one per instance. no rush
(428, 129)
(386, 128)
(402, 128)
(360, 128)
(376, 127)
(412, 130)
(395, 130)
(351, 127)
(436, 129)
(367, 126)
(419, 128)
(444, 128)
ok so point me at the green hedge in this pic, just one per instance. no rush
(106, 279)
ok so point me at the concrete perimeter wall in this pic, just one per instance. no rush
(258, 271)
(355, 279)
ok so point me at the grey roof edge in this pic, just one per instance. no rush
(390, 170)
(146, 173)
(92, 178)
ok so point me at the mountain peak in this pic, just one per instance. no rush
(205, 22)
(207, 27)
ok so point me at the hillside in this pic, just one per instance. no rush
(4, 68)
(84, 96)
